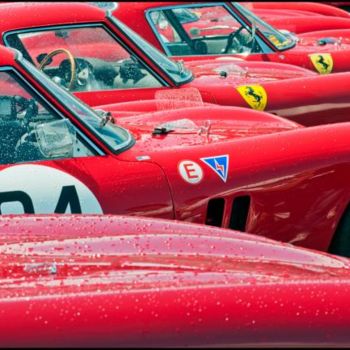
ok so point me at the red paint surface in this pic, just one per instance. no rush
(98, 281)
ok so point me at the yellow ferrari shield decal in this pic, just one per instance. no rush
(254, 95)
(323, 62)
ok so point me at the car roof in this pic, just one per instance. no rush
(33, 14)
(153, 4)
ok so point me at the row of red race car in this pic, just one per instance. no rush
(110, 57)
(154, 141)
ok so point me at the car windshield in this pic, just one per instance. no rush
(212, 30)
(114, 136)
(174, 69)
(275, 37)
(83, 58)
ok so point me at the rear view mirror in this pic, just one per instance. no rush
(62, 34)
(56, 139)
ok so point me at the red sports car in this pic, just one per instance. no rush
(118, 281)
(93, 54)
(230, 29)
(221, 166)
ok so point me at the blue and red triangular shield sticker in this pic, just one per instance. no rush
(219, 164)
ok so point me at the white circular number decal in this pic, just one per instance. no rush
(190, 171)
(38, 189)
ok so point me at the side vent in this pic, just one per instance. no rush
(215, 212)
(239, 213)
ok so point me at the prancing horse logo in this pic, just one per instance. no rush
(254, 95)
(323, 62)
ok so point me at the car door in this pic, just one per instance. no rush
(50, 165)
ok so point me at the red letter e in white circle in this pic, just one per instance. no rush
(190, 171)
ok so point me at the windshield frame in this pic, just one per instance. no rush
(247, 14)
(69, 100)
(151, 52)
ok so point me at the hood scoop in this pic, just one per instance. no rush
(182, 126)
(325, 41)
(225, 69)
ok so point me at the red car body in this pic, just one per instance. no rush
(327, 21)
(121, 281)
(322, 8)
(303, 24)
(221, 166)
(309, 99)
(295, 16)
(340, 4)
(137, 16)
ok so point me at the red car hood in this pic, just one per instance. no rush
(113, 281)
(238, 71)
(311, 42)
(109, 248)
(193, 126)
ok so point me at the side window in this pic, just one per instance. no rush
(84, 59)
(202, 30)
(29, 131)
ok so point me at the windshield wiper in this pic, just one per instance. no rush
(105, 117)
(161, 130)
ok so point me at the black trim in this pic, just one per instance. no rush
(239, 213)
(215, 212)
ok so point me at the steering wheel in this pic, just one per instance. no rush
(233, 38)
(243, 41)
(53, 53)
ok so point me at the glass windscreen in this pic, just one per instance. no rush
(211, 30)
(202, 30)
(84, 58)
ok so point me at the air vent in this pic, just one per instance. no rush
(215, 212)
(239, 213)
